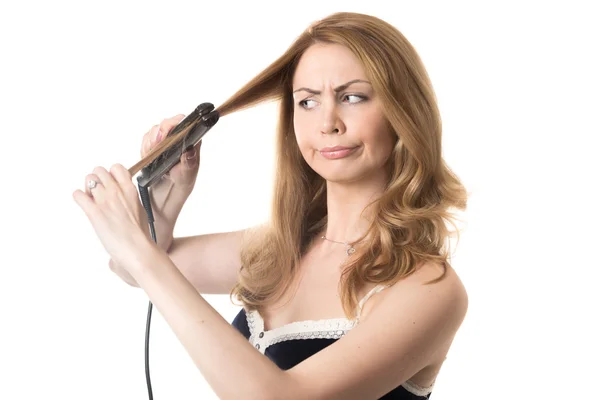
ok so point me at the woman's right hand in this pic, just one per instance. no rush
(183, 174)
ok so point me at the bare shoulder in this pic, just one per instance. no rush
(431, 271)
(447, 293)
(432, 290)
(432, 302)
(428, 294)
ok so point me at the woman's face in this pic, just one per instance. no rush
(335, 105)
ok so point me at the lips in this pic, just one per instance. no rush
(335, 148)
(337, 152)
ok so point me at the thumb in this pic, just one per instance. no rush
(191, 157)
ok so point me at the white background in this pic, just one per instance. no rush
(81, 82)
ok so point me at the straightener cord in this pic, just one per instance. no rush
(145, 197)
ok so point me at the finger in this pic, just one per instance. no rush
(191, 158)
(123, 178)
(88, 178)
(87, 204)
(110, 186)
(97, 193)
(149, 140)
(194, 150)
(158, 132)
(168, 124)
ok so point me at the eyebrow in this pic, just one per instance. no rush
(337, 89)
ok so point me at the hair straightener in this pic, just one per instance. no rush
(201, 120)
(198, 123)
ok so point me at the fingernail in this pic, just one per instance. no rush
(190, 154)
(190, 158)
(159, 135)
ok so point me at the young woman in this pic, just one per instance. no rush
(347, 291)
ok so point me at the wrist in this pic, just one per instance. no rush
(145, 252)
(168, 198)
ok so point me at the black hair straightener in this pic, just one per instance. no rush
(198, 123)
(201, 119)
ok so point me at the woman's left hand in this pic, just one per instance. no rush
(115, 211)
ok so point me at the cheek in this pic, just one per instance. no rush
(387, 142)
(387, 137)
(374, 126)
(380, 138)
(302, 132)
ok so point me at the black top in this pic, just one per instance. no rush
(293, 343)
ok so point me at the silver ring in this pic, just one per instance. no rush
(91, 184)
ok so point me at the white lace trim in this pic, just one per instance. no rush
(321, 329)
(333, 328)
(416, 389)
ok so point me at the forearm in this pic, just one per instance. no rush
(231, 366)
(165, 212)
(168, 199)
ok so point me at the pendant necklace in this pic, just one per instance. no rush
(349, 247)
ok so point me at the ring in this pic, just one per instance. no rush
(91, 184)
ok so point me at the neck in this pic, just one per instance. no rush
(348, 212)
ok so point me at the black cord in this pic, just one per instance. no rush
(145, 197)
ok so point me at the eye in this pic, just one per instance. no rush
(354, 98)
(306, 104)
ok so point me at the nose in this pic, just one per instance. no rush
(331, 120)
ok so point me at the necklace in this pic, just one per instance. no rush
(349, 248)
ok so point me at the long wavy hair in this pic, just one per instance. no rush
(409, 226)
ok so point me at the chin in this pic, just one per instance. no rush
(341, 175)
(349, 173)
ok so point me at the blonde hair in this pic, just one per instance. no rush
(409, 224)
